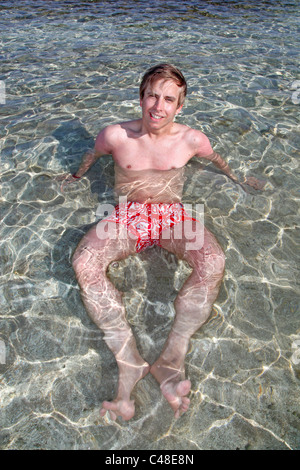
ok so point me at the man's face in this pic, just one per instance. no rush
(160, 103)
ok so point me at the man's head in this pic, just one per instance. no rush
(165, 72)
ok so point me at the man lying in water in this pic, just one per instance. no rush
(150, 154)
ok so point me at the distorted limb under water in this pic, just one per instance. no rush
(103, 302)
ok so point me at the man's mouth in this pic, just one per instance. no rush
(156, 117)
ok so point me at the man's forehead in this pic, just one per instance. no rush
(165, 85)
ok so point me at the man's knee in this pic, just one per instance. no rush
(85, 260)
(77, 260)
(219, 261)
(209, 263)
(214, 260)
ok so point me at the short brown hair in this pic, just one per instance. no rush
(168, 72)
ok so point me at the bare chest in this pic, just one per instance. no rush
(140, 155)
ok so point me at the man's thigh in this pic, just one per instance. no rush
(190, 243)
(106, 240)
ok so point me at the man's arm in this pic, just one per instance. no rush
(102, 147)
(88, 160)
(218, 161)
(204, 150)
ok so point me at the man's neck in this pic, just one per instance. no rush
(157, 134)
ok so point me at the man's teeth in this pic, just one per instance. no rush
(155, 116)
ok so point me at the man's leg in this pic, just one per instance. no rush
(104, 305)
(193, 306)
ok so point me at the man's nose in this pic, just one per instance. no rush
(159, 103)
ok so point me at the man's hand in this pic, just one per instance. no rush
(255, 183)
(66, 179)
(218, 161)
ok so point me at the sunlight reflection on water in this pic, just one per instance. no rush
(71, 68)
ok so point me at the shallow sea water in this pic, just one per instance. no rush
(67, 70)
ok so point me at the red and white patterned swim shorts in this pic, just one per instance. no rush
(147, 221)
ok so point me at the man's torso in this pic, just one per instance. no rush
(150, 170)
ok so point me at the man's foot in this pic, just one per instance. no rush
(122, 406)
(173, 389)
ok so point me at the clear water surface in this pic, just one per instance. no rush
(68, 69)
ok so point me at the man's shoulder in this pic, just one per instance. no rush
(124, 126)
(197, 141)
(195, 136)
(116, 133)
(111, 137)
(189, 133)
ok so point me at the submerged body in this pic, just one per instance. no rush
(152, 204)
(150, 154)
(104, 303)
(150, 185)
